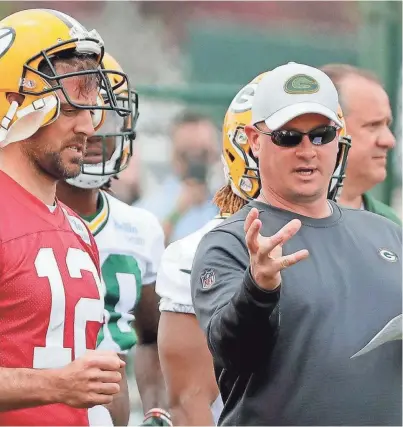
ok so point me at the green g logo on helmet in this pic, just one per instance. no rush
(301, 84)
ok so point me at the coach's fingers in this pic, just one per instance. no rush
(289, 260)
(252, 215)
(283, 235)
(252, 236)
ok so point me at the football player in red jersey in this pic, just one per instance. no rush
(51, 296)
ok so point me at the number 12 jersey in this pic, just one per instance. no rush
(51, 296)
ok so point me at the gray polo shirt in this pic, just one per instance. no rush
(285, 357)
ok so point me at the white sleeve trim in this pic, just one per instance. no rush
(167, 304)
(149, 279)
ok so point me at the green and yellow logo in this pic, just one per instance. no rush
(301, 84)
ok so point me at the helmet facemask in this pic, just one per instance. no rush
(336, 183)
(115, 146)
(41, 107)
(47, 71)
(30, 68)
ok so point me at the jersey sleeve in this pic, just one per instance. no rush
(239, 318)
(155, 243)
(173, 279)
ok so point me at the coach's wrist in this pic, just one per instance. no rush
(258, 293)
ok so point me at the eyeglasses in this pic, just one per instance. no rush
(291, 138)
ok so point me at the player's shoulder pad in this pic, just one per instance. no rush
(181, 252)
(228, 237)
(232, 224)
(173, 279)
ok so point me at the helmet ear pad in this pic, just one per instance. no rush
(26, 118)
(36, 112)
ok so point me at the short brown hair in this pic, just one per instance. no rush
(75, 62)
(338, 72)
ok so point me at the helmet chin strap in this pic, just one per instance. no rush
(5, 123)
(29, 119)
(88, 182)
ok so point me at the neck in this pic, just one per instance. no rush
(314, 209)
(83, 201)
(22, 170)
(350, 201)
(351, 195)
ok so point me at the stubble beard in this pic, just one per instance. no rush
(51, 163)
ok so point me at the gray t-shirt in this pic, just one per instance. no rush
(284, 357)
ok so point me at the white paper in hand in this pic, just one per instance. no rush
(391, 332)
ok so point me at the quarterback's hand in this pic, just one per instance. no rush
(90, 380)
(266, 254)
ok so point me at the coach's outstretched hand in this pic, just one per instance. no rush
(266, 253)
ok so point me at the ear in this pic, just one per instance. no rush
(13, 96)
(253, 139)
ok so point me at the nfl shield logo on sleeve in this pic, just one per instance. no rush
(207, 278)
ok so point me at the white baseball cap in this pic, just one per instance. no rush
(291, 90)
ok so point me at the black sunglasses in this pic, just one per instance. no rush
(291, 138)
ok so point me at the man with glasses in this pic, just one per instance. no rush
(292, 286)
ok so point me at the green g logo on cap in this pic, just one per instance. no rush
(301, 84)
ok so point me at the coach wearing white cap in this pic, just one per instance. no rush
(299, 285)
(316, 94)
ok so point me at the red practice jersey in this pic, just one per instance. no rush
(51, 297)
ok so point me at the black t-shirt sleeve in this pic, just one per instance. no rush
(240, 319)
